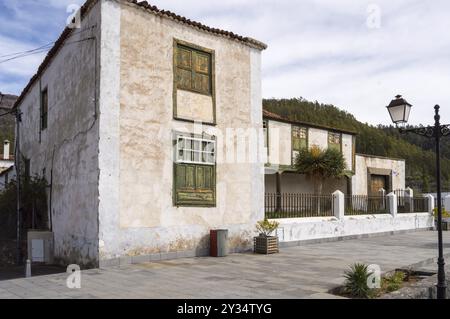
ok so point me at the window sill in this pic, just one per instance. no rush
(194, 121)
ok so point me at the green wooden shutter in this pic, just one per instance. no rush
(184, 68)
(335, 141)
(194, 185)
(201, 75)
(299, 138)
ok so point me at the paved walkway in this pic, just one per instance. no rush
(308, 271)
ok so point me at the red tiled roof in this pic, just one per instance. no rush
(276, 117)
(272, 115)
(247, 40)
(153, 9)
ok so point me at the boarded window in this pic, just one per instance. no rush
(299, 140)
(195, 172)
(193, 70)
(334, 141)
(44, 109)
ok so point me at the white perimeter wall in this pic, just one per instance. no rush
(300, 229)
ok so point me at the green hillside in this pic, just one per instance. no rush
(372, 140)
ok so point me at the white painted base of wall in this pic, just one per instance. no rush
(304, 229)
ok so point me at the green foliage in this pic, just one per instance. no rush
(445, 213)
(266, 227)
(8, 206)
(33, 206)
(392, 282)
(321, 163)
(373, 140)
(356, 281)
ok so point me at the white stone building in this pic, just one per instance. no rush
(110, 119)
(365, 174)
(6, 164)
(149, 130)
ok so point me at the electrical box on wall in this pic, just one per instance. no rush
(40, 246)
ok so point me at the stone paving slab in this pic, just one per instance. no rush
(307, 271)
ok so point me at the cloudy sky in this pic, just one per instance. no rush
(355, 54)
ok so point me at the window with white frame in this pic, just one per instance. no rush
(194, 171)
(195, 150)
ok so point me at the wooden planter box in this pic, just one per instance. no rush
(266, 245)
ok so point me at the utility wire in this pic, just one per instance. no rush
(38, 50)
(27, 51)
(25, 55)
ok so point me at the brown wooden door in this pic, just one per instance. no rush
(376, 183)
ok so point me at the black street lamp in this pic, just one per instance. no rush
(399, 111)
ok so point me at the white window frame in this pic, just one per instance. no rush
(201, 152)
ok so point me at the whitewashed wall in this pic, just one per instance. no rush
(301, 229)
(280, 143)
(347, 150)
(137, 216)
(318, 137)
(298, 183)
(363, 162)
(69, 145)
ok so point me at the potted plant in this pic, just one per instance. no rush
(265, 243)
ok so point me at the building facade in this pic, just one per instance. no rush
(126, 119)
(364, 174)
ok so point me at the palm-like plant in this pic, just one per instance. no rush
(320, 164)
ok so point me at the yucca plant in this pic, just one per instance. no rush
(356, 281)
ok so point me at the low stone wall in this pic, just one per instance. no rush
(293, 230)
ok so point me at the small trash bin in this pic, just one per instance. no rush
(218, 242)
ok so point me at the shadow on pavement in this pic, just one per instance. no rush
(14, 272)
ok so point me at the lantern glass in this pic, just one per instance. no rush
(399, 110)
(397, 113)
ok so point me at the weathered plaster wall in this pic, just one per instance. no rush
(347, 150)
(109, 130)
(7, 176)
(298, 229)
(298, 183)
(69, 146)
(141, 218)
(318, 137)
(193, 106)
(280, 143)
(359, 180)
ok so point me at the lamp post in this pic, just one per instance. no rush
(399, 111)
